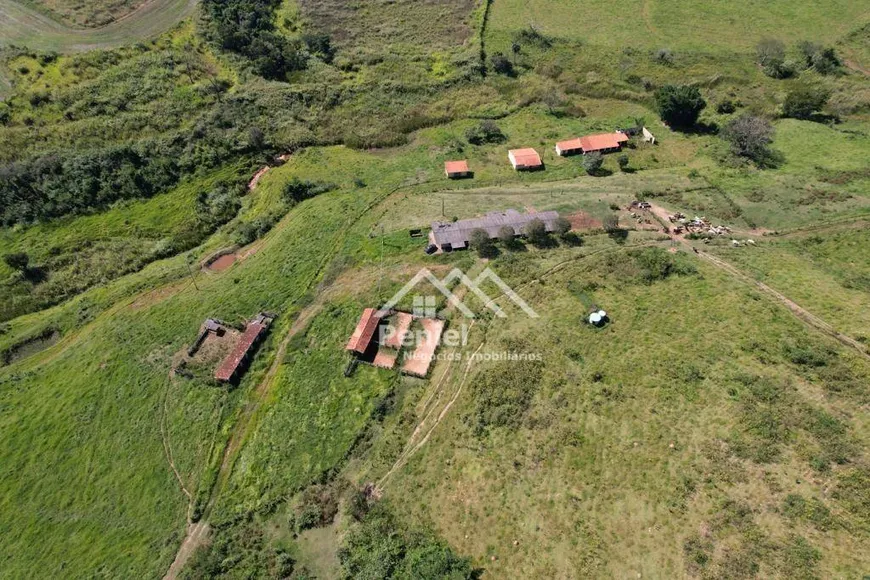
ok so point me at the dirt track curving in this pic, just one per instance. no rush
(24, 26)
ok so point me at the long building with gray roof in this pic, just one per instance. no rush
(448, 236)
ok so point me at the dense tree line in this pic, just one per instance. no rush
(59, 183)
(247, 28)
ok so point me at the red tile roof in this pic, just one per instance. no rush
(569, 145)
(600, 142)
(230, 364)
(456, 166)
(621, 137)
(365, 331)
(527, 157)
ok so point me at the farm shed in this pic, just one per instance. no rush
(362, 336)
(232, 366)
(448, 236)
(648, 137)
(526, 159)
(456, 169)
(603, 142)
(569, 147)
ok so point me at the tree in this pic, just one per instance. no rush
(749, 136)
(481, 242)
(506, 235)
(19, 261)
(771, 56)
(501, 64)
(802, 101)
(536, 232)
(611, 223)
(561, 226)
(256, 139)
(622, 160)
(592, 162)
(823, 60)
(485, 132)
(515, 49)
(320, 43)
(679, 105)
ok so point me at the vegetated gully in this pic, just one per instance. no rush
(245, 423)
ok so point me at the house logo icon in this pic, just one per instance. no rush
(424, 306)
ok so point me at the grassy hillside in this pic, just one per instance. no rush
(673, 442)
(652, 24)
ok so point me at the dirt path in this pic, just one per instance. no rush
(647, 17)
(198, 533)
(803, 314)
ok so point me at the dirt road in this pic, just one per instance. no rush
(25, 26)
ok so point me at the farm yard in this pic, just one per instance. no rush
(160, 179)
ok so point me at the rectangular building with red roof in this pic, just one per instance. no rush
(526, 158)
(235, 362)
(603, 142)
(365, 331)
(569, 147)
(456, 169)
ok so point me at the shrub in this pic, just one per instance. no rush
(803, 101)
(664, 56)
(679, 105)
(297, 190)
(610, 223)
(561, 226)
(485, 132)
(17, 261)
(749, 136)
(501, 64)
(247, 28)
(592, 162)
(622, 160)
(823, 60)
(320, 44)
(726, 107)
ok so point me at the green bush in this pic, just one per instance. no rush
(485, 132)
(803, 101)
(679, 105)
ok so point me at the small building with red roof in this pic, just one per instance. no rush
(525, 159)
(456, 169)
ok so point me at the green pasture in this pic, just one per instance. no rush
(653, 24)
(640, 443)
